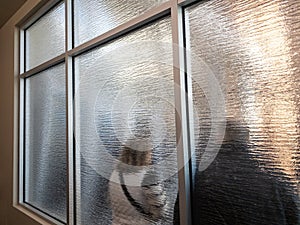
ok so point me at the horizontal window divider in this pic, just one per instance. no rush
(142, 20)
(54, 61)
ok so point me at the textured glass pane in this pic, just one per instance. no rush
(95, 17)
(45, 39)
(247, 51)
(45, 142)
(125, 130)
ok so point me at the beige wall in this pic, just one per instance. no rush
(9, 214)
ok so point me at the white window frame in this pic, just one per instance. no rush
(174, 8)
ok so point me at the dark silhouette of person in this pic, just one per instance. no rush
(234, 190)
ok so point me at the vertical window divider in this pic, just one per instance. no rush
(76, 151)
(181, 116)
(189, 87)
(21, 116)
(69, 112)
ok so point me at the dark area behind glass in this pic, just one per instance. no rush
(252, 49)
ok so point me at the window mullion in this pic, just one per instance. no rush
(183, 154)
(69, 113)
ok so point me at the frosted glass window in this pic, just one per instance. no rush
(125, 130)
(249, 50)
(45, 142)
(95, 17)
(45, 38)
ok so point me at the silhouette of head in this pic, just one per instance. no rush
(236, 131)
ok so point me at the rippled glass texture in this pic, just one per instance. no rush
(95, 17)
(45, 38)
(250, 50)
(45, 142)
(125, 123)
